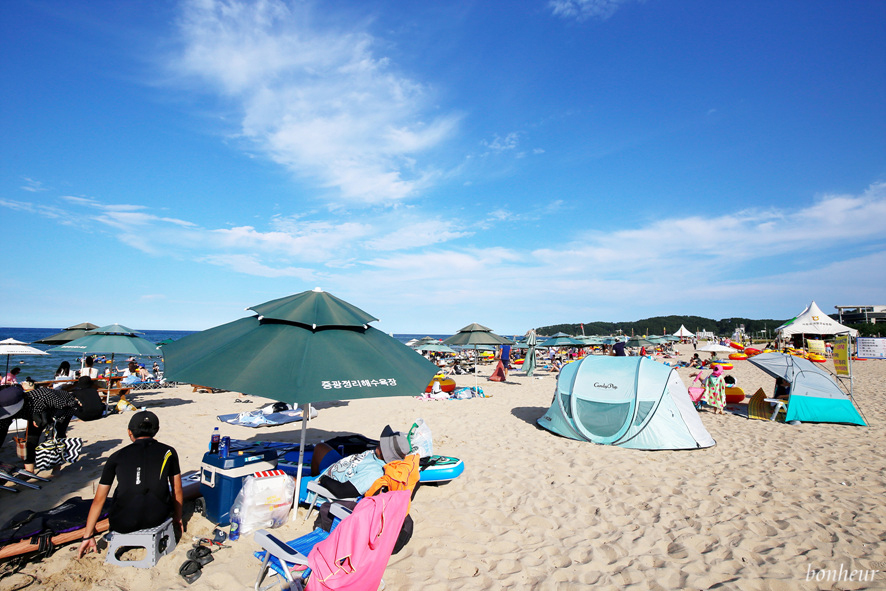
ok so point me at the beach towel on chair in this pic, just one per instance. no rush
(356, 553)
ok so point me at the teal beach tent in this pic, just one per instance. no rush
(815, 397)
(631, 402)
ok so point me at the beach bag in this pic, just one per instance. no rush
(264, 500)
(20, 447)
(421, 439)
(53, 452)
(694, 391)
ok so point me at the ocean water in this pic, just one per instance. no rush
(42, 367)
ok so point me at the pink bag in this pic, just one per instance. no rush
(356, 553)
(695, 393)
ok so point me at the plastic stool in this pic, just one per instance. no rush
(157, 541)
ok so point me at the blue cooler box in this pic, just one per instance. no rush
(222, 478)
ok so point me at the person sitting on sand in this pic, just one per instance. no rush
(782, 389)
(352, 476)
(88, 370)
(63, 375)
(149, 484)
(11, 377)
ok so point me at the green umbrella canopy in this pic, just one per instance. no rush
(566, 341)
(529, 357)
(315, 309)
(69, 334)
(436, 347)
(638, 342)
(476, 334)
(287, 361)
(113, 339)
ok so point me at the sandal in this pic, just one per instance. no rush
(201, 554)
(190, 571)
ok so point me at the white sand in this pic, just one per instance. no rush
(534, 510)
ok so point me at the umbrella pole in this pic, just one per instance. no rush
(305, 414)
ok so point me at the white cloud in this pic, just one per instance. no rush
(322, 103)
(501, 144)
(581, 10)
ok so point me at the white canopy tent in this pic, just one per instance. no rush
(683, 333)
(813, 321)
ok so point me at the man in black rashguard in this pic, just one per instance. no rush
(145, 470)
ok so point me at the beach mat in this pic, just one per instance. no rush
(257, 418)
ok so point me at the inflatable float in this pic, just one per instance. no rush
(726, 366)
(816, 358)
(734, 395)
(735, 345)
(750, 351)
(446, 384)
(738, 356)
(439, 469)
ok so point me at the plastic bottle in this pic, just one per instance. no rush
(235, 524)
(213, 442)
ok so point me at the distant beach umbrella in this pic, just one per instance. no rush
(638, 342)
(10, 347)
(69, 334)
(436, 348)
(308, 347)
(476, 336)
(113, 339)
(562, 341)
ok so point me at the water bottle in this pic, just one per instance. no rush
(224, 447)
(213, 442)
(235, 525)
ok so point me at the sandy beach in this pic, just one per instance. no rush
(764, 508)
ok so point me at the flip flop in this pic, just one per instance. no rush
(190, 571)
(201, 555)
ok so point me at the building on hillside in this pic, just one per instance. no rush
(861, 314)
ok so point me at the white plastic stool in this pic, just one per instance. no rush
(157, 541)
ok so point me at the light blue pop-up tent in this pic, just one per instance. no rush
(814, 397)
(626, 401)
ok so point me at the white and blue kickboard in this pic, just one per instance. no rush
(440, 469)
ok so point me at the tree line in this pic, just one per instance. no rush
(667, 325)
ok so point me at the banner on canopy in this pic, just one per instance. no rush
(841, 355)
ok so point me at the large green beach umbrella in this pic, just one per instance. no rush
(309, 347)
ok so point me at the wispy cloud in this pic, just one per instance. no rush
(325, 103)
(32, 185)
(679, 264)
(581, 10)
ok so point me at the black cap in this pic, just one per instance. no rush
(12, 399)
(142, 417)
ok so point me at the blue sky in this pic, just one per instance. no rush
(166, 164)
